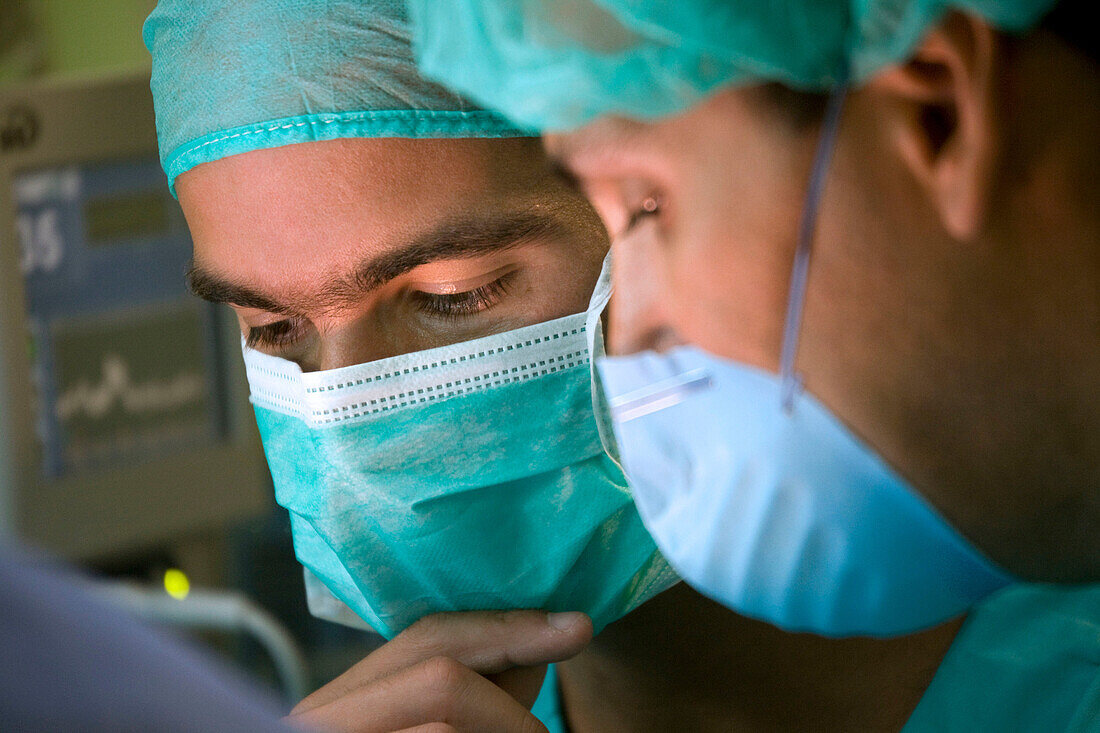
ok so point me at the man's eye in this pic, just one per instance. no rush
(278, 335)
(471, 302)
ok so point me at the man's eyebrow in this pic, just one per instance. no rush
(560, 168)
(210, 286)
(454, 240)
(461, 238)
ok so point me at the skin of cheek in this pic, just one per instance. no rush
(730, 244)
(874, 315)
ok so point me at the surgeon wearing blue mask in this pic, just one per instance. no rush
(419, 295)
(857, 311)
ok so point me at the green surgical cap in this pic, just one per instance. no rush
(231, 76)
(557, 64)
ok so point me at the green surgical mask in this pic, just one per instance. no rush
(467, 477)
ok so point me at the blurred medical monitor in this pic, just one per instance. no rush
(124, 420)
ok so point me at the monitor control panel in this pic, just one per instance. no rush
(123, 415)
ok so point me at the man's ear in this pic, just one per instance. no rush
(946, 126)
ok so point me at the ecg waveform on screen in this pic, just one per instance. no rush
(117, 388)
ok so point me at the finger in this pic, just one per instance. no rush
(486, 641)
(430, 728)
(522, 683)
(439, 690)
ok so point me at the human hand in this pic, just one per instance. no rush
(471, 671)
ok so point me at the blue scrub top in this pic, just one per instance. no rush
(1027, 659)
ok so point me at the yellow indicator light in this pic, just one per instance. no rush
(176, 583)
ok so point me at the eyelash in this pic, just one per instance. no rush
(456, 305)
(282, 334)
(274, 335)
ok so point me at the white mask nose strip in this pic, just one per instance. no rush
(338, 395)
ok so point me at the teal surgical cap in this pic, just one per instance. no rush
(231, 76)
(557, 64)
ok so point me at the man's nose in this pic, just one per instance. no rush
(638, 315)
(348, 346)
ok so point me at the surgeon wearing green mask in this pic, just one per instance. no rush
(391, 252)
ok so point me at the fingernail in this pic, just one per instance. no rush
(564, 621)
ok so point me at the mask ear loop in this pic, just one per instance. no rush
(792, 382)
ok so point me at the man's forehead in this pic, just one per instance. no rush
(310, 200)
(329, 171)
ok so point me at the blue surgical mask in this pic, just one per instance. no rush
(466, 477)
(763, 500)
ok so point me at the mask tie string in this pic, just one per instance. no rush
(791, 381)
